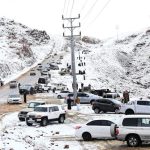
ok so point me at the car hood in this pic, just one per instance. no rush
(35, 113)
(27, 110)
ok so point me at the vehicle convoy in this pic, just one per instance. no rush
(106, 105)
(31, 105)
(84, 97)
(136, 107)
(99, 129)
(135, 129)
(42, 114)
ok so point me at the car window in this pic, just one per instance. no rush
(143, 102)
(130, 122)
(100, 123)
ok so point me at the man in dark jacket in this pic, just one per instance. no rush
(69, 103)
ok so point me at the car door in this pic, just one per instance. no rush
(51, 114)
(142, 107)
(144, 128)
(99, 128)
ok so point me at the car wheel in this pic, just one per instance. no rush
(44, 122)
(129, 112)
(86, 136)
(61, 119)
(133, 140)
(97, 110)
(21, 119)
(59, 96)
(91, 102)
(28, 124)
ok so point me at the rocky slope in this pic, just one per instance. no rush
(17, 44)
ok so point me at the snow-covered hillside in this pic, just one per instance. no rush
(21, 46)
(122, 64)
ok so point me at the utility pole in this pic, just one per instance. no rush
(72, 45)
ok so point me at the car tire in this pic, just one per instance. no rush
(97, 110)
(44, 122)
(133, 141)
(61, 119)
(91, 102)
(28, 124)
(21, 119)
(129, 112)
(59, 96)
(86, 136)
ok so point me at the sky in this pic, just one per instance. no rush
(98, 18)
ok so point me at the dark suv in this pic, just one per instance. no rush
(106, 105)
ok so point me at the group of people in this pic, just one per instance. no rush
(77, 102)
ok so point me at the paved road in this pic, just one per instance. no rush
(24, 79)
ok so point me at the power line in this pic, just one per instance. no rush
(83, 6)
(90, 10)
(72, 8)
(64, 7)
(67, 7)
(101, 11)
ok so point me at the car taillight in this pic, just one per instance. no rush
(117, 131)
(78, 127)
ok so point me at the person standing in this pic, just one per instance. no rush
(77, 102)
(126, 96)
(69, 103)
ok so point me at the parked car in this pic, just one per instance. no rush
(13, 84)
(43, 80)
(27, 88)
(136, 107)
(31, 105)
(135, 129)
(54, 66)
(84, 97)
(42, 114)
(106, 105)
(32, 72)
(100, 92)
(14, 98)
(111, 95)
(39, 67)
(99, 129)
(42, 87)
(62, 94)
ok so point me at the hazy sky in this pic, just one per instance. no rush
(118, 16)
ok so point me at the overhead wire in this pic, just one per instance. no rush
(64, 7)
(100, 11)
(90, 10)
(83, 6)
(71, 8)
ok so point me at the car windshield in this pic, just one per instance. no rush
(40, 109)
(116, 102)
(33, 104)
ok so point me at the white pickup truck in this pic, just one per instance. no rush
(136, 107)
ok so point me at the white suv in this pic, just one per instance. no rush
(134, 129)
(42, 114)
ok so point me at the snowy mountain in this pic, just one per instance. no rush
(122, 64)
(116, 64)
(18, 46)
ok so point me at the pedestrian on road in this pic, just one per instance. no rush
(69, 103)
(77, 102)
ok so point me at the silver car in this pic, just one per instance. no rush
(84, 97)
